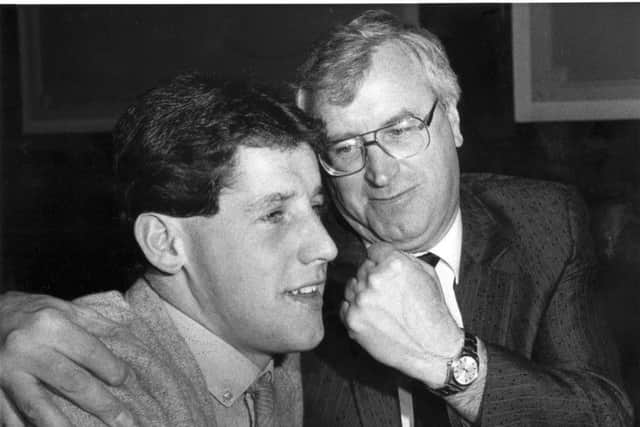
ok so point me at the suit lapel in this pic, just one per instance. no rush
(376, 393)
(487, 269)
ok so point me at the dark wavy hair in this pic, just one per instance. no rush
(175, 146)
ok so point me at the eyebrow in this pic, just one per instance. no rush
(264, 202)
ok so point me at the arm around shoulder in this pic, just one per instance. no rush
(44, 340)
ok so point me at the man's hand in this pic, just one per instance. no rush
(396, 311)
(47, 343)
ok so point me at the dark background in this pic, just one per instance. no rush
(60, 233)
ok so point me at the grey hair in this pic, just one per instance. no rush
(338, 65)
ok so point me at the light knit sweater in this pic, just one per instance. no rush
(167, 387)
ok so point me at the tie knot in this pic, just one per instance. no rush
(262, 391)
(262, 384)
(430, 258)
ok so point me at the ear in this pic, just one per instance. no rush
(303, 100)
(160, 238)
(454, 121)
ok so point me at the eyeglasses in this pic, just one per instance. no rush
(400, 140)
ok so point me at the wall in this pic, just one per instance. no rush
(59, 219)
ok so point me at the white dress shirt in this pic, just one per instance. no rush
(227, 372)
(448, 270)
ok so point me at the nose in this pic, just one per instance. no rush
(380, 167)
(318, 245)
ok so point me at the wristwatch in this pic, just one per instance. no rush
(462, 370)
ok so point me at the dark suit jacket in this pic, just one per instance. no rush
(525, 288)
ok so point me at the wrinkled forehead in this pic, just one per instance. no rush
(393, 87)
(341, 84)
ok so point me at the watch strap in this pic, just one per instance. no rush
(470, 348)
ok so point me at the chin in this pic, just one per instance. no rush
(308, 341)
(397, 234)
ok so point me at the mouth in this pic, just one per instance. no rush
(310, 294)
(393, 198)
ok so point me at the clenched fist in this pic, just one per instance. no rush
(395, 309)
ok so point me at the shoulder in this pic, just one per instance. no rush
(518, 191)
(541, 218)
(165, 384)
(111, 304)
(523, 199)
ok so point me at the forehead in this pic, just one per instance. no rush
(394, 84)
(260, 171)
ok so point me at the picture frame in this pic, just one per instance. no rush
(569, 65)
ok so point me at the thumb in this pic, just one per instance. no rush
(380, 251)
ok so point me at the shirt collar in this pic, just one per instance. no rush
(227, 372)
(449, 247)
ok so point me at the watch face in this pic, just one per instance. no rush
(465, 370)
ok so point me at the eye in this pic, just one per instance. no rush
(397, 131)
(401, 130)
(320, 208)
(274, 216)
(345, 148)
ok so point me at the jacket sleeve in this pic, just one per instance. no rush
(572, 377)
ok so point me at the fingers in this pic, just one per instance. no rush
(34, 401)
(90, 352)
(87, 392)
(350, 293)
(67, 329)
(380, 251)
(354, 299)
(92, 321)
(63, 326)
(34, 404)
(8, 413)
(350, 290)
(62, 374)
(365, 269)
(344, 309)
(50, 342)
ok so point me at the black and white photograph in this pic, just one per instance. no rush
(319, 214)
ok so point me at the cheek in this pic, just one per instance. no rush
(267, 266)
(348, 191)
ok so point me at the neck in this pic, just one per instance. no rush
(177, 291)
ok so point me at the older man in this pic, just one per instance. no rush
(222, 189)
(504, 328)
(464, 300)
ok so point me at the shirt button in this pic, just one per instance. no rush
(227, 396)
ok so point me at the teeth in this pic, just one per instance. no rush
(305, 291)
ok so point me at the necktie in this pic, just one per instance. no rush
(429, 410)
(430, 258)
(263, 401)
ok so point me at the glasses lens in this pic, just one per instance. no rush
(405, 138)
(344, 157)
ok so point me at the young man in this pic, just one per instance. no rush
(222, 191)
(470, 298)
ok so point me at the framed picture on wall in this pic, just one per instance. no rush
(82, 65)
(576, 61)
